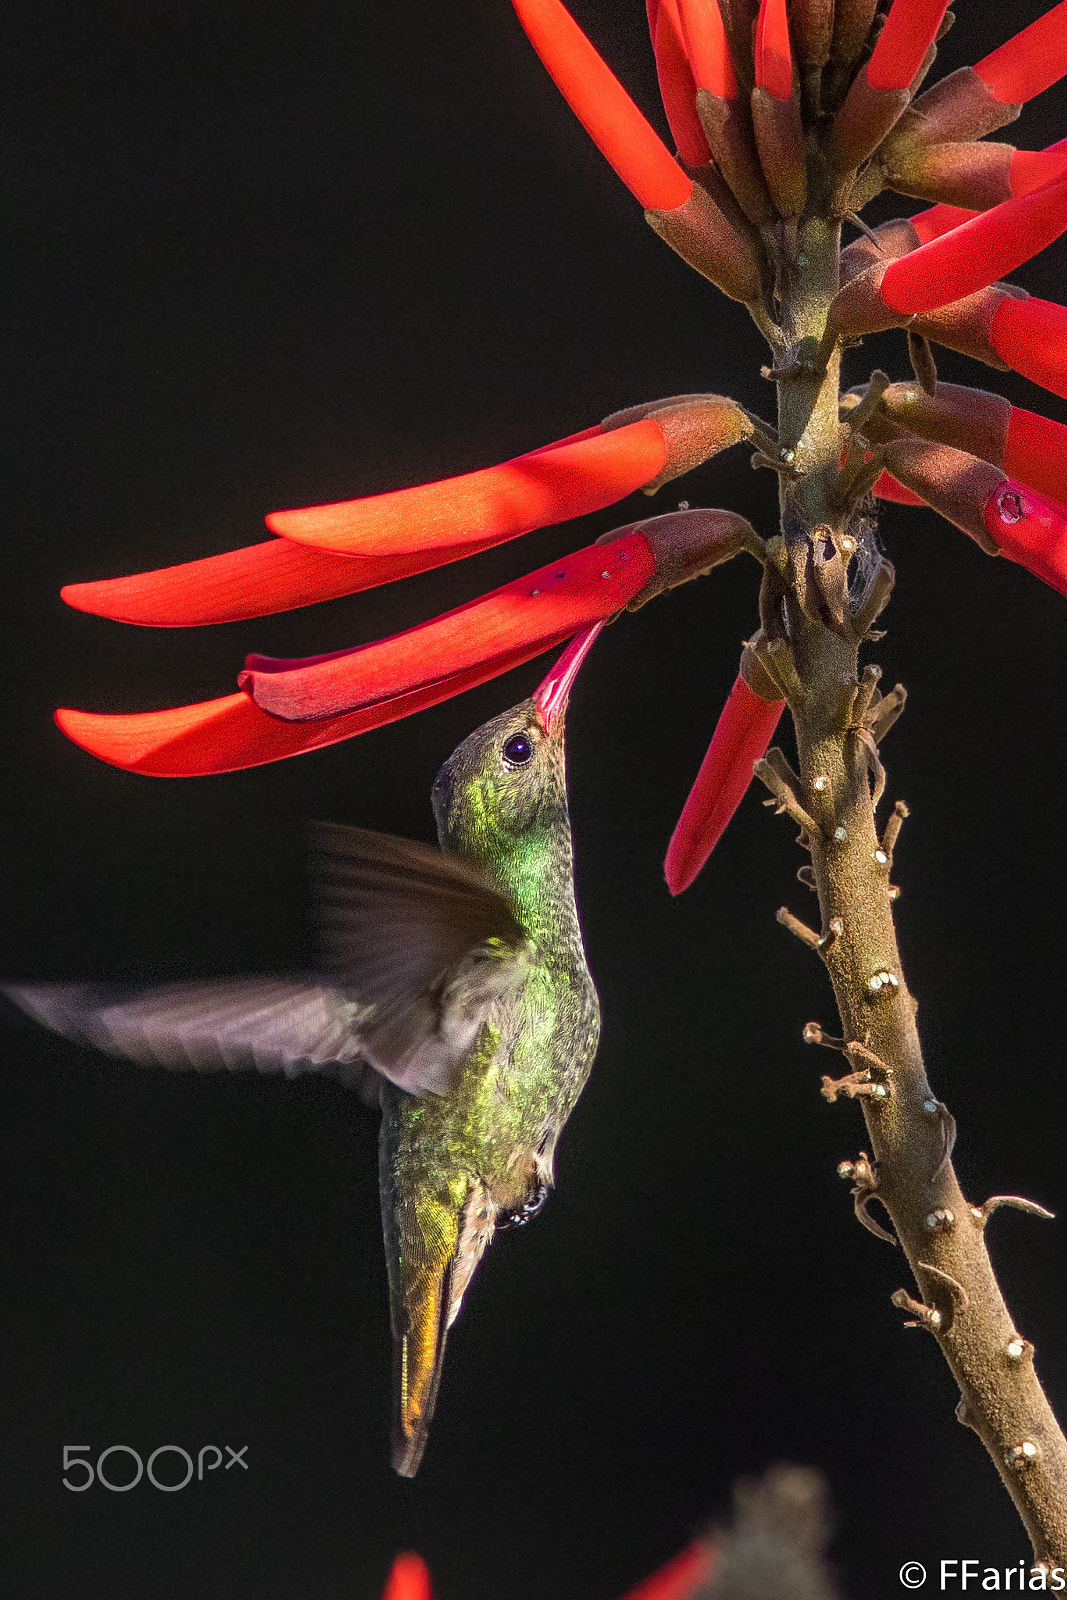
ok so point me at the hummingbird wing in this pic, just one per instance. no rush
(422, 941)
(418, 945)
(286, 1024)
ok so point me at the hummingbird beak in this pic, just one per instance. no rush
(551, 696)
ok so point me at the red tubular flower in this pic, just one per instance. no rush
(689, 1571)
(886, 487)
(388, 536)
(1001, 515)
(1026, 170)
(562, 480)
(1030, 530)
(774, 55)
(409, 1579)
(709, 55)
(1030, 448)
(1030, 336)
(615, 125)
(950, 268)
(985, 248)
(684, 215)
(1030, 62)
(352, 692)
(880, 91)
(910, 29)
(741, 737)
(537, 611)
(676, 85)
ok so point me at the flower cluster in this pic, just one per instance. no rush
(778, 112)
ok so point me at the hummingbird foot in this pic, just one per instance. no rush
(520, 1215)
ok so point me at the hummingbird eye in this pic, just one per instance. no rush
(518, 750)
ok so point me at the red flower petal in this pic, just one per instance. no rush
(1031, 336)
(887, 488)
(408, 1580)
(602, 106)
(1030, 169)
(705, 42)
(676, 86)
(1030, 530)
(253, 582)
(681, 1577)
(492, 505)
(533, 613)
(774, 55)
(909, 31)
(977, 253)
(1035, 452)
(229, 734)
(1027, 64)
(741, 737)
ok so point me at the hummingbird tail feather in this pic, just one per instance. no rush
(432, 1301)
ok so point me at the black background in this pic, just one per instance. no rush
(277, 254)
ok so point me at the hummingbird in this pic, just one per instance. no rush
(454, 985)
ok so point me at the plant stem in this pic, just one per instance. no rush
(911, 1133)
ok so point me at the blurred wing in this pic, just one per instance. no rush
(421, 942)
(288, 1025)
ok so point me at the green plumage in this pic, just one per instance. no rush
(454, 1165)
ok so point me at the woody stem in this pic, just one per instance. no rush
(942, 1234)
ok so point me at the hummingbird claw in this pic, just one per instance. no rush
(520, 1215)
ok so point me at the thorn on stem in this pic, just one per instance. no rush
(806, 876)
(922, 1316)
(958, 1294)
(814, 1033)
(799, 929)
(782, 789)
(982, 1214)
(893, 827)
(857, 1085)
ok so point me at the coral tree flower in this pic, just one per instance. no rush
(738, 83)
(680, 1579)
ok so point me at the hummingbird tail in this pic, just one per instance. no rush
(432, 1299)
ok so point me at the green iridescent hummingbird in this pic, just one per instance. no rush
(454, 981)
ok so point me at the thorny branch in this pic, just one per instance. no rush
(840, 716)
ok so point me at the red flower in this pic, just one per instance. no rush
(744, 730)
(678, 1580)
(734, 110)
(409, 1579)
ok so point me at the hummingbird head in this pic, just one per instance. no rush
(508, 781)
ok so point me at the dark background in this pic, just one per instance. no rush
(278, 254)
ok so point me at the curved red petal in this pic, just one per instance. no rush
(1030, 62)
(1035, 452)
(676, 86)
(409, 1579)
(979, 252)
(774, 55)
(491, 505)
(681, 1577)
(741, 737)
(1031, 336)
(615, 125)
(254, 582)
(1031, 531)
(532, 613)
(232, 733)
(909, 31)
